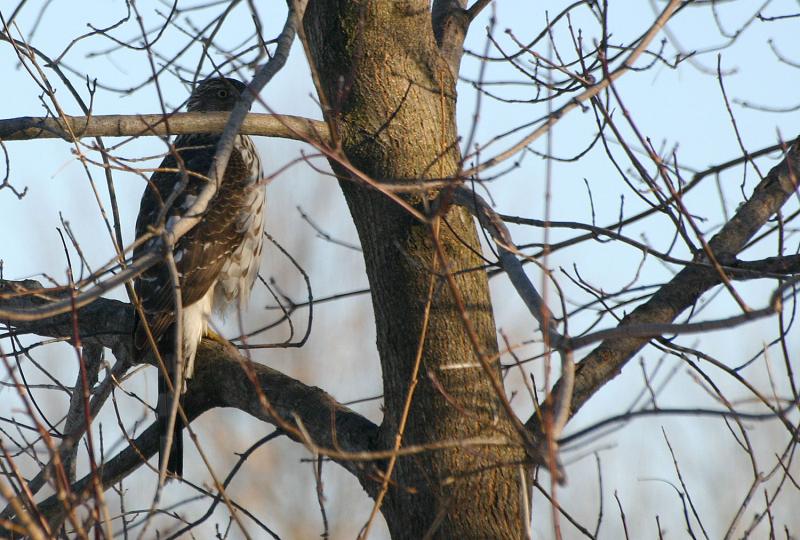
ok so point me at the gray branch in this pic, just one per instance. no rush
(494, 225)
(526, 290)
(688, 285)
(141, 125)
(222, 379)
(193, 215)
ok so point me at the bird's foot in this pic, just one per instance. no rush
(213, 336)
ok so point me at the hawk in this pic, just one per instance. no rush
(217, 260)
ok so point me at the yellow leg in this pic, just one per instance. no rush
(213, 336)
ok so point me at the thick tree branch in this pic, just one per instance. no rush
(222, 379)
(607, 360)
(107, 322)
(265, 125)
(784, 265)
(194, 214)
(475, 9)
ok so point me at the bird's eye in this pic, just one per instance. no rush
(222, 93)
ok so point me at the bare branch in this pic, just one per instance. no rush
(533, 300)
(265, 125)
(657, 329)
(689, 284)
(589, 93)
(222, 380)
(509, 262)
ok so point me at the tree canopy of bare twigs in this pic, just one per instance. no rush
(569, 229)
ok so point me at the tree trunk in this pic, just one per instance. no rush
(391, 99)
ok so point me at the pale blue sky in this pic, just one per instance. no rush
(681, 108)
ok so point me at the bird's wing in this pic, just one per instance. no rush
(200, 254)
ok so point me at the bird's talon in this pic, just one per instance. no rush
(213, 336)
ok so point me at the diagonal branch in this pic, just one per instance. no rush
(587, 94)
(506, 248)
(222, 379)
(526, 290)
(195, 213)
(686, 288)
(225, 145)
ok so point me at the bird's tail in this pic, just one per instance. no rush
(163, 410)
(166, 348)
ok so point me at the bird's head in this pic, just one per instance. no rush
(215, 94)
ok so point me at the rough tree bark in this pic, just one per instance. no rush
(391, 101)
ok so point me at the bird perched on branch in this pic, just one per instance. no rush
(215, 263)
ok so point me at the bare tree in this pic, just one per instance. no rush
(477, 421)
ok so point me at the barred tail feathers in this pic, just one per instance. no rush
(195, 324)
